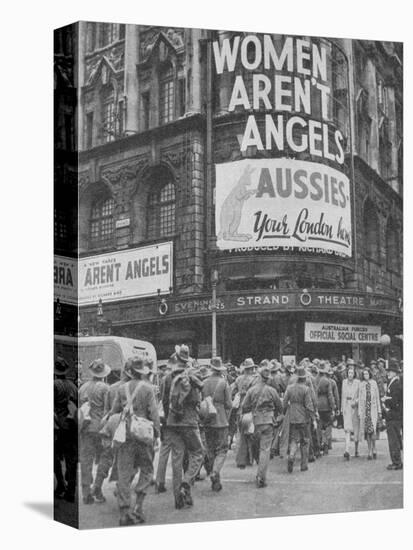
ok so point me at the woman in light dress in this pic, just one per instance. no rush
(349, 410)
(369, 410)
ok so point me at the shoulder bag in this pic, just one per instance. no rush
(140, 428)
(247, 419)
(207, 409)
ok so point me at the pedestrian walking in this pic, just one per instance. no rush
(393, 407)
(369, 410)
(379, 378)
(136, 397)
(243, 383)
(182, 421)
(231, 372)
(325, 405)
(314, 444)
(337, 404)
(202, 372)
(339, 376)
(95, 393)
(349, 411)
(381, 366)
(284, 435)
(113, 388)
(298, 401)
(111, 398)
(166, 446)
(351, 363)
(65, 431)
(264, 403)
(217, 388)
(277, 382)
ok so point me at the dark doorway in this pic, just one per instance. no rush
(251, 337)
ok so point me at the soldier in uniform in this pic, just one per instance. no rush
(242, 384)
(165, 449)
(277, 382)
(264, 403)
(393, 407)
(66, 446)
(337, 405)
(113, 388)
(183, 389)
(325, 405)
(216, 431)
(298, 400)
(95, 392)
(139, 394)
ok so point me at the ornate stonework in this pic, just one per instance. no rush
(148, 38)
(121, 173)
(83, 178)
(174, 156)
(114, 58)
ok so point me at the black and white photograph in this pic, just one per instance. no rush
(228, 274)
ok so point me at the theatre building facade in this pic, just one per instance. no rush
(254, 176)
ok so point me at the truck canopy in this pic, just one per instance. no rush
(114, 350)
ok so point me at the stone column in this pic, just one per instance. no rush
(131, 84)
(391, 105)
(225, 80)
(371, 86)
(80, 78)
(193, 102)
(347, 45)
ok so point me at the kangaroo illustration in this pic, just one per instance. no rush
(230, 216)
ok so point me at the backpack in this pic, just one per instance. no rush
(180, 388)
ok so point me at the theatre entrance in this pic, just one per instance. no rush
(252, 336)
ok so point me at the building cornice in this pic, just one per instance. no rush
(195, 121)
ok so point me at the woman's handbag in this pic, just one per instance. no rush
(381, 424)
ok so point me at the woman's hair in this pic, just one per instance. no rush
(351, 367)
(366, 369)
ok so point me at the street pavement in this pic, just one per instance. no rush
(330, 485)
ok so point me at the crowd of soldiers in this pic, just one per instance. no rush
(195, 414)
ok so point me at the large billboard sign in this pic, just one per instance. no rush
(65, 279)
(126, 274)
(293, 191)
(282, 203)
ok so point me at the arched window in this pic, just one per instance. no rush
(392, 247)
(166, 93)
(371, 232)
(101, 222)
(161, 212)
